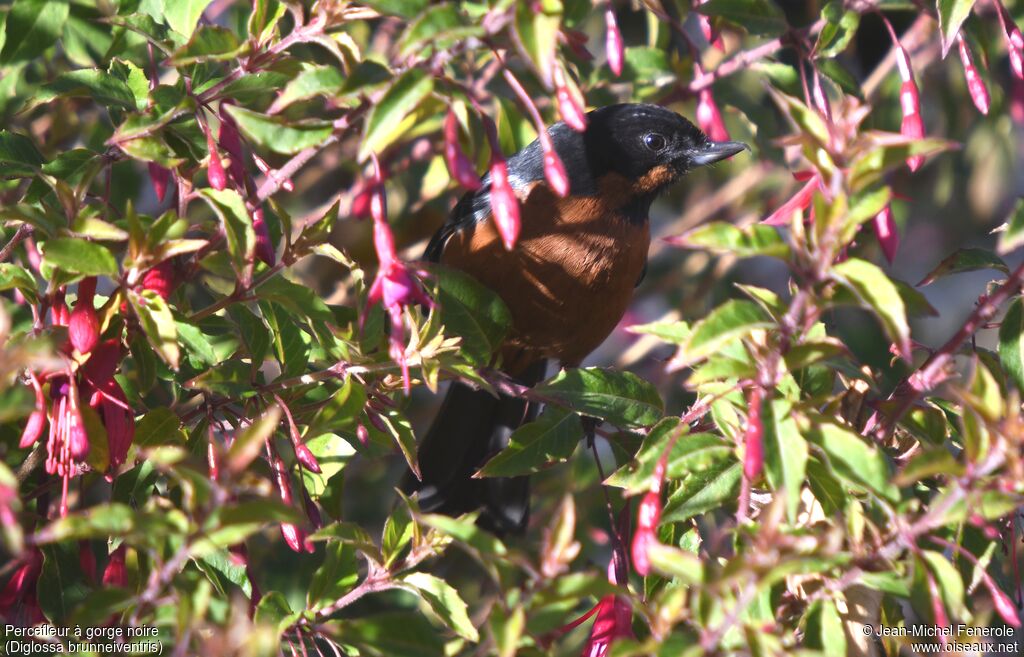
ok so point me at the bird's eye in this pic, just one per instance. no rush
(654, 141)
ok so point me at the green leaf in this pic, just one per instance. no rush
(877, 293)
(471, 311)
(785, 453)
(951, 585)
(391, 633)
(690, 453)
(160, 426)
(157, 323)
(729, 322)
(402, 8)
(32, 26)
(279, 134)
(312, 81)
(537, 27)
(746, 242)
(99, 85)
(552, 438)
(79, 257)
(437, 28)
(182, 15)
(249, 441)
(756, 16)
(703, 491)
(666, 331)
(17, 277)
(387, 118)
(62, 584)
(952, 14)
(889, 152)
(445, 602)
(18, 155)
(1011, 342)
(234, 217)
(965, 260)
(823, 628)
(335, 577)
(1009, 240)
(853, 459)
(210, 43)
(621, 398)
(196, 344)
(839, 30)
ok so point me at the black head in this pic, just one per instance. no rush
(635, 140)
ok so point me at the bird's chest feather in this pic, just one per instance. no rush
(570, 277)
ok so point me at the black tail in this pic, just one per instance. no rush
(471, 427)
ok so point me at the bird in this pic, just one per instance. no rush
(567, 283)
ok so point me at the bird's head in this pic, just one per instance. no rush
(650, 145)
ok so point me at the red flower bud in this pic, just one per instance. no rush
(160, 178)
(161, 279)
(975, 85)
(215, 169)
(231, 142)
(295, 538)
(1016, 51)
(211, 459)
(312, 512)
(912, 126)
(648, 516)
(753, 438)
(305, 457)
(83, 324)
(1004, 606)
(264, 248)
(376, 421)
(613, 42)
(361, 201)
(33, 429)
(116, 574)
(885, 231)
(709, 119)
(573, 115)
(459, 166)
(504, 203)
(362, 433)
(554, 172)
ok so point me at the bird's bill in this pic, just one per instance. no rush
(716, 151)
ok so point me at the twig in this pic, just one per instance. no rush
(23, 232)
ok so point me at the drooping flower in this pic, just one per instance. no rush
(293, 535)
(887, 234)
(215, 169)
(709, 119)
(116, 573)
(83, 324)
(504, 203)
(19, 603)
(554, 170)
(975, 85)
(264, 247)
(571, 111)
(459, 166)
(161, 279)
(912, 125)
(37, 420)
(1014, 41)
(160, 178)
(613, 42)
(231, 141)
(648, 515)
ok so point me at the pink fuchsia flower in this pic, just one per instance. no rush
(161, 279)
(116, 573)
(19, 603)
(709, 119)
(459, 166)
(554, 170)
(975, 85)
(107, 398)
(83, 324)
(1014, 41)
(303, 454)
(160, 178)
(613, 42)
(887, 234)
(504, 203)
(293, 535)
(753, 437)
(799, 201)
(264, 247)
(215, 168)
(648, 516)
(231, 141)
(572, 113)
(708, 30)
(37, 420)
(912, 125)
